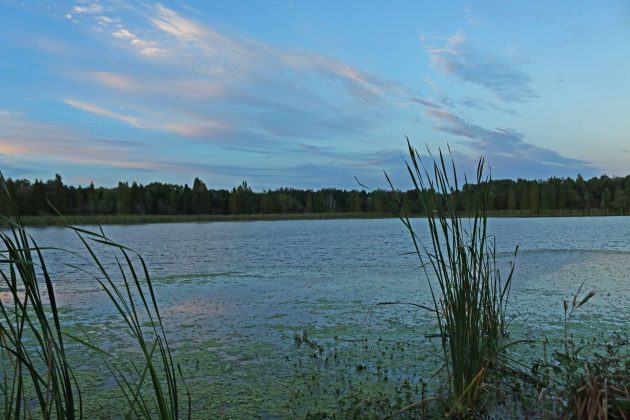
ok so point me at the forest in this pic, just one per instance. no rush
(600, 195)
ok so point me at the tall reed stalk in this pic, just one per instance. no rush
(459, 261)
(133, 296)
(37, 380)
(36, 377)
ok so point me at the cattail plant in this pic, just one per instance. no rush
(459, 261)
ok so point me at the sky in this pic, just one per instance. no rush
(311, 94)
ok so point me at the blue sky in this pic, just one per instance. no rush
(310, 94)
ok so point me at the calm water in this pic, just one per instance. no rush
(264, 267)
(239, 288)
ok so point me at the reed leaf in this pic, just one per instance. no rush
(36, 376)
(458, 257)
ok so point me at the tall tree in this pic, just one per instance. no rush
(200, 200)
(123, 201)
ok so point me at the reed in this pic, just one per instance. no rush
(35, 368)
(37, 379)
(133, 296)
(459, 261)
(96, 220)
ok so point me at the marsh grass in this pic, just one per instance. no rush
(585, 378)
(37, 377)
(136, 304)
(469, 296)
(115, 219)
(35, 367)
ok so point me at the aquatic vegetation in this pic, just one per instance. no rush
(326, 349)
(38, 377)
(35, 366)
(584, 377)
(469, 296)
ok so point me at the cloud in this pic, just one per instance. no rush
(146, 48)
(426, 103)
(277, 113)
(456, 57)
(192, 130)
(304, 125)
(334, 173)
(12, 149)
(32, 148)
(117, 81)
(476, 103)
(192, 88)
(36, 141)
(172, 23)
(155, 122)
(215, 80)
(88, 9)
(506, 149)
(94, 109)
(104, 20)
(243, 57)
(45, 145)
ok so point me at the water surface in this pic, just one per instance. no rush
(240, 291)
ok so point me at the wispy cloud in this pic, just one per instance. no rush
(144, 47)
(172, 23)
(477, 104)
(455, 56)
(192, 88)
(215, 79)
(117, 81)
(94, 109)
(506, 149)
(89, 8)
(24, 138)
(195, 130)
(255, 107)
(7, 148)
(32, 148)
(191, 128)
(228, 56)
(84, 8)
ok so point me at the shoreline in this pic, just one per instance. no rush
(51, 221)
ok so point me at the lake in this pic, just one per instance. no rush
(234, 295)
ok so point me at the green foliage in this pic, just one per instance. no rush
(586, 377)
(358, 378)
(200, 198)
(136, 304)
(468, 294)
(37, 378)
(554, 196)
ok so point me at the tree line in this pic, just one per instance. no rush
(21, 196)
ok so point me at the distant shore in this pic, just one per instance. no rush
(149, 218)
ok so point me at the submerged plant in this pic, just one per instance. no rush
(468, 294)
